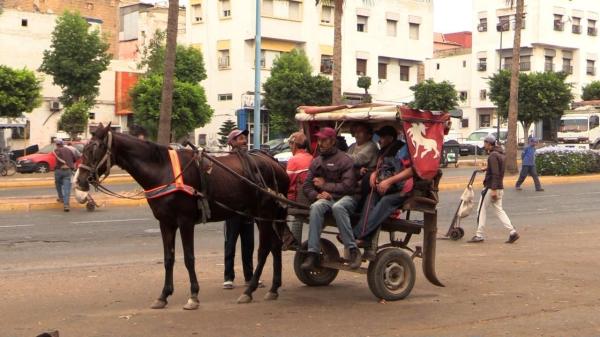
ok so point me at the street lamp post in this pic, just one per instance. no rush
(257, 69)
(500, 28)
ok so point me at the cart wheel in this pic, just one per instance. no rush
(457, 233)
(90, 206)
(319, 276)
(392, 275)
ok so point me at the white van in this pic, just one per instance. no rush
(475, 139)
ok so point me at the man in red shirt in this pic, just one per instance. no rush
(297, 170)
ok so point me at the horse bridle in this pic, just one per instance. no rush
(94, 178)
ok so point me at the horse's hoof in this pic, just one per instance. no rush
(243, 299)
(269, 296)
(192, 304)
(159, 304)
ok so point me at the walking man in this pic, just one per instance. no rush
(493, 191)
(65, 164)
(238, 226)
(528, 166)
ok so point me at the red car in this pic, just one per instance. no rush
(43, 160)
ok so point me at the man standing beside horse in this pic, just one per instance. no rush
(330, 186)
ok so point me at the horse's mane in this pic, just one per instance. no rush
(156, 152)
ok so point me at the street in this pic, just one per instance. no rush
(95, 274)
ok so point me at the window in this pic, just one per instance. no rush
(197, 13)
(463, 96)
(576, 25)
(567, 68)
(284, 9)
(392, 27)
(91, 115)
(327, 15)
(24, 23)
(525, 63)
(592, 30)
(382, 71)
(361, 67)
(507, 63)
(225, 8)
(295, 12)
(482, 26)
(224, 59)
(437, 66)
(225, 97)
(202, 139)
(326, 64)
(361, 23)
(482, 65)
(263, 59)
(485, 121)
(413, 31)
(548, 63)
(464, 122)
(594, 121)
(591, 69)
(503, 23)
(483, 94)
(558, 24)
(464, 64)
(404, 73)
(267, 8)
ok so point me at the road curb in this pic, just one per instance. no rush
(49, 182)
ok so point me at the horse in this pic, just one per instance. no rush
(417, 133)
(150, 165)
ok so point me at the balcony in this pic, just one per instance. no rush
(224, 62)
(481, 66)
(576, 29)
(567, 69)
(548, 66)
(591, 71)
(592, 31)
(559, 26)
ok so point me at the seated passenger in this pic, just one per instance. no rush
(390, 183)
(329, 186)
(297, 170)
(364, 151)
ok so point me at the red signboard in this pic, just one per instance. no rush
(124, 81)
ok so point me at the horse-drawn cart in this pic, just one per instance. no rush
(391, 271)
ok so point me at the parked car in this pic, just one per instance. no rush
(475, 140)
(43, 160)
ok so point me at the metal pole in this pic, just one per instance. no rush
(499, 70)
(257, 69)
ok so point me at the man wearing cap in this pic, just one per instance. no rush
(528, 166)
(390, 183)
(364, 151)
(63, 171)
(493, 191)
(329, 186)
(297, 170)
(238, 226)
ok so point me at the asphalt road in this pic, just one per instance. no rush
(95, 274)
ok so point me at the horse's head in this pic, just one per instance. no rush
(96, 159)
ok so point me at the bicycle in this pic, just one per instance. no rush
(8, 167)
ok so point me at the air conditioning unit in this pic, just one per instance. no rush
(482, 67)
(481, 28)
(55, 106)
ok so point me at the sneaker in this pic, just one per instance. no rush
(476, 239)
(540, 190)
(228, 285)
(59, 200)
(310, 261)
(513, 237)
(260, 284)
(66, 209)
(518, 188)
(355, 258)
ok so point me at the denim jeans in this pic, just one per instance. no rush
(529, 170)
(62, 181)
(341, 210)
(242, 227)
(376, 210)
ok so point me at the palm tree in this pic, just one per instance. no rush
(166, 105)
(513, 106)
(338, 5)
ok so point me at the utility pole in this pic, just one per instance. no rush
(257, 69)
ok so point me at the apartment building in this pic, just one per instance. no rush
(388, 42)
(558, 35)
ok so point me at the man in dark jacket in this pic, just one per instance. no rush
(329, 186)
(65, 164)
(493, 191)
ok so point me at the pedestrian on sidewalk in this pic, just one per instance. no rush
(528, 166)
(63, 172)
(493, 191)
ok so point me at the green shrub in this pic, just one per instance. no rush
(563, 162)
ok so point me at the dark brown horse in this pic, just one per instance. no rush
(149, 164)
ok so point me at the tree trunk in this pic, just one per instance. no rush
(166, 105)
(526, 127)
(513, 105)
(336, 94)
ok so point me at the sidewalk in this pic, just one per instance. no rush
(453, 180)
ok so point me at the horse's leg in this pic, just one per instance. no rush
(168, 231)
(186, 230)
(277, 267)
(264, 245)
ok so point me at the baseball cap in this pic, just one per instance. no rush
(235, 133)
(387, 130)
(490, 139)
(58, 141)
(297, 138)
(326, 133)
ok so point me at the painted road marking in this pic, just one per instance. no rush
(14, 226)
(114, 220)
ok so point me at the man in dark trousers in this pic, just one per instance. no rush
(65, 164)
(528, 166)
(238, 226)
(493, 191)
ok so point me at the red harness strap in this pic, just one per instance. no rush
(173, 187)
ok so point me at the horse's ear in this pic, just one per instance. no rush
(101, 131)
